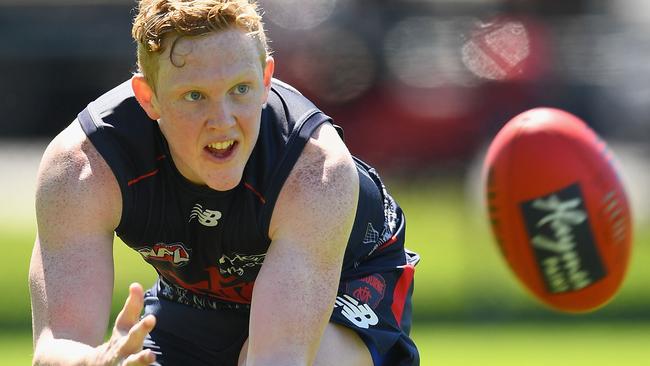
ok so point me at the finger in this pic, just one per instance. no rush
(134, 340)
(144, 357)
(130, 313)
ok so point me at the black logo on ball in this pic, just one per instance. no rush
(560, 235)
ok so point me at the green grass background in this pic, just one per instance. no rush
(468, 308)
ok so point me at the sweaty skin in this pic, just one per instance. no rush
(209, 112)
(214, 97)
(68, 325)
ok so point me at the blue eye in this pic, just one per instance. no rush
(241, 89)
(193, 96)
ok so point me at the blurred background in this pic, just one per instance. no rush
(421, 87)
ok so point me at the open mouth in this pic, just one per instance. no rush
(222, 149)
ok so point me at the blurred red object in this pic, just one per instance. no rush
(558, 209)
(507, 48)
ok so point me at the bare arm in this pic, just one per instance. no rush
(78, 205)
(296, 288)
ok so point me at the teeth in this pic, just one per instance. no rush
(221, 145)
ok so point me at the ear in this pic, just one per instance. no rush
(268, 75)
(145, 96)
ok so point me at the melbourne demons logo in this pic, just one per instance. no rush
(369, 289)
(175, 253)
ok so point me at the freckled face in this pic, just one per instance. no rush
(210, 106)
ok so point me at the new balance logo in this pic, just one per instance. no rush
(204, 216)
(360, 315)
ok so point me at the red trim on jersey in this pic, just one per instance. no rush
(390, 242)
(151, 173)
(258, 194)
(401, 291)
(136, 180)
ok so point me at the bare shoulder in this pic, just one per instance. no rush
(74, 179)
(78, 206)
(325, 168)
(322, 187)
(310, 226)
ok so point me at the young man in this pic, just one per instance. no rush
(222, 178)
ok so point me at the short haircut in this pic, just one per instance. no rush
(157, 19)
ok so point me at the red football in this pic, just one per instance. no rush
(558, 209)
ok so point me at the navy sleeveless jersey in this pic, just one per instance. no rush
(213, 243)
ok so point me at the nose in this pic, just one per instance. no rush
(220, 117)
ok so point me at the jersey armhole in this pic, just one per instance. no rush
(100, 136)
(296, 142)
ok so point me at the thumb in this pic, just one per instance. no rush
(130, 313)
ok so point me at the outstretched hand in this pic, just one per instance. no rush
(125, 345)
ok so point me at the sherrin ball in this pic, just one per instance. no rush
(558, 209)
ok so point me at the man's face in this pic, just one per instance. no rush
(209, 102)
